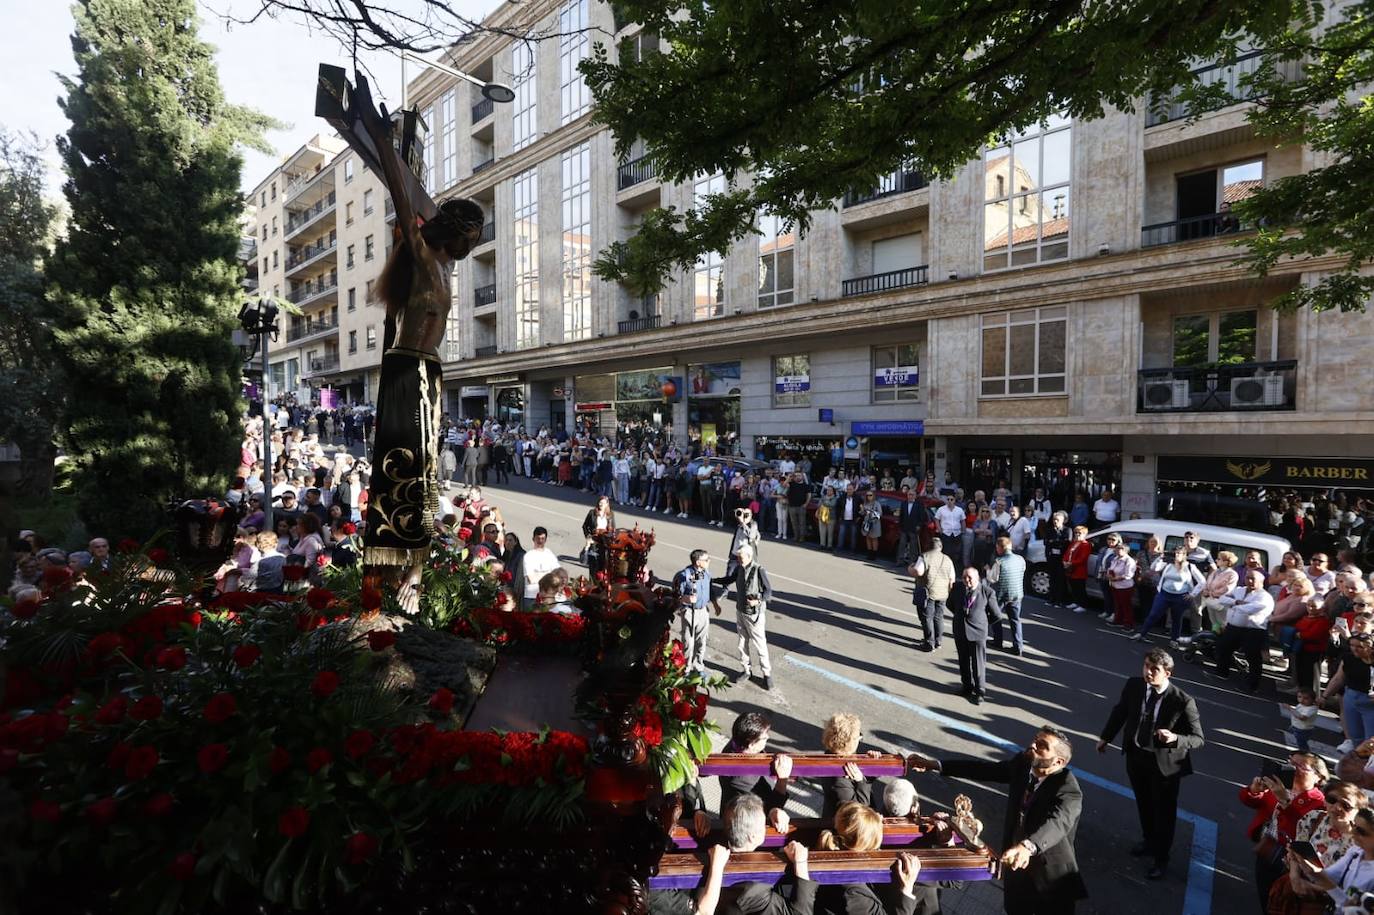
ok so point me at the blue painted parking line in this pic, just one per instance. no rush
(1197, 899)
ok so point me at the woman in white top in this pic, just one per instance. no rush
(308, 543)
(1219, 583)
(1351, 876)
(1178, 581)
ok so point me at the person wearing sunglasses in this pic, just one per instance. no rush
(1278, 810)
(1349, 878)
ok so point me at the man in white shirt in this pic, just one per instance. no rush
(1106, 510)
(1000, 516)
(1019, 530)
(1248, 608)
(1039, 508)
(539, 561)
(786, 466)
(1319, 571)
(950, 519)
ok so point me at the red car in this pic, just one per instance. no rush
(892, 533)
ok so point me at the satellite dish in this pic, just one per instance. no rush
(498, 92)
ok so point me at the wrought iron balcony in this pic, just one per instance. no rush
(482, 109)
(482, 351)
(635, 171)
(481, 165)
(1191, 229)
(651, 322)
(1243, 386)
(1228, 76)
(898, 182)
(883, 282)
(298, 330)
(325, 364)
(300, 220)
(304, 292)
(299, 256)
(484, 295)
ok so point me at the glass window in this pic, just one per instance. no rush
(367, 294)
(1236, 337)
(577, 242)
(348, 169)
(371, 336)
(348, 256)
(1240, 181)
(523, 111)
(775, 262)
(1026, 214)
(448, 114)
(264, 198)
(1192, 340)
(1225, 338)
(792, 381)
(896, 373)
(352, 298)
(708, 281)
(572, 48)
(367, 202)
(352, 339)
(429, 148)
(274, 190)
(369, 249)
(274, 259)
(1023, 352)
(526, 218)
(348, 213)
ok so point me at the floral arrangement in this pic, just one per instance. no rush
(521, 627)
(671, 717)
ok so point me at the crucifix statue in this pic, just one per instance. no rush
(403, 496)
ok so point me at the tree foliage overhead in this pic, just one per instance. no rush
(813, 98)
(145, 284)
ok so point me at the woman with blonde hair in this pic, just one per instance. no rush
(1219, 583)
(840, 737)
(860, 828)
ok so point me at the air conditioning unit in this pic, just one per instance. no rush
(1257, 391)
(1167, 394)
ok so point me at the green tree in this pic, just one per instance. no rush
(31, 382)
(145, 284)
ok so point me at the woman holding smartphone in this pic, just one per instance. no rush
(1279, 808)
(1348, 878)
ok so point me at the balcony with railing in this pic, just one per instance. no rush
(300, 329)
(483, 351)
(635, 325)
(1193, 228)
(485, 164)
(1243, 386)
(299, 184)
(297, 221)
(313, 289)
(1230, 77)
(899, 182)
(635, 171)
(309, 254)
(886, 282)
(484, 295)
(482, 110)
(327, 363)
(488, 233)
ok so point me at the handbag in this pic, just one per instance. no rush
(823, 515)
(1283, 901)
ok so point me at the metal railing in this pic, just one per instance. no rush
(306, 291)
(635, 171)
(899, 182)
(484, 295)
(299, 256)
(1190, 229)
(481, 165)
(296, 185)
(1218, 388)
(298, 220)
(482, 109)
(1228, 76)
(649, 322)
(325, 364)
(488, 233)
(307, 328)
(882, 282)
(482, 351)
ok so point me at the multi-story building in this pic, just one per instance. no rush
(1066, 310)
(322, 237)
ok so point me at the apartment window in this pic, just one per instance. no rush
(526, 213)
(352, 298)
(369, 249)
(348, 169)
(367, 202)
(1224, 338)
(1199, 196)
(1026, 213)
(895, 373)
(1023, 351)
(429, 148)
(572, 48)
(637, 47)
(523, 112)
(792, 381)
(776, 250)
(276, 292)
(265, 262)
(372, 336)
(264, 231)
(367, 292)
(708, 281)
(577, 243)
(348, 213)
(352, 339)
(274, 225)
(348, 257)
(274, 190)
(274, 260)
(448, 114)
(451, 349)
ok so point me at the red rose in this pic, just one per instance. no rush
(294, 822)
(506, 577)
(112, 712)
(127, 545)
(684, 710)
(674, 696)
(381, 639)
(194, 619)
(359, 847)
(349, 528)
(442, 700)
(102, 812)
(42, 811)
(319, 598)
(183, 866)
(370, 598)
(141, 762)
(172, 658)
(246, 655)
(149, 708)
(119, 755)
(104, 644)
(650, 727)
(159, 805)
(8, 760)
(212, 757)
(293, 573)
(26, 608)
(359, 743)
(324, 684)
(317, 759)
(56, 576)
(220, 708)
(279, 761)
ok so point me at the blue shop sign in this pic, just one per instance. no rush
(893, 427)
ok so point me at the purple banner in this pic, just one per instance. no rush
(328, 398)
(804, 768)
(857, 875)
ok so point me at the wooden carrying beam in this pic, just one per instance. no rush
(684, 871)
(898, 832)
(813, 765)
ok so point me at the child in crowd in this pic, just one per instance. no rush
(1304, 717)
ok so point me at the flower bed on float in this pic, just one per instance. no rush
(163, 752)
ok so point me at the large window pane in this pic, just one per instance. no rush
(1022, 350)
(1051, 348)
(1056, 158)
(994, 352)
(995, 227)
(1236, 337)
(1026, 216)
(1191, 336)
(998, 173)
(1026, 165)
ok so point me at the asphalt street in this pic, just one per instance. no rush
(842, 634)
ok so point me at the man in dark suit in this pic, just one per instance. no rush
(1160, 726)
(745, 829)
(1040, 869)
(974, 606)
(749, 734)
(911, 520)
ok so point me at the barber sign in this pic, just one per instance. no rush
(895, 375)
(791, 384)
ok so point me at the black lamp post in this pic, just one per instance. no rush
(259, 319)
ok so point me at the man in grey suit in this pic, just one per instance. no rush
(974, 606)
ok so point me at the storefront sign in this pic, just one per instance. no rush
(714, 379)
(827, 415)
(645, 385)
(791, 384)
(594, 407)
(895, 375)
(1319, 472)
(473, 390)
(504, 379)
(851, 443)
(889, 427)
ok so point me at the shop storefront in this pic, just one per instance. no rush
(604, 401)
(890, 446)
(510, 406)
(713, 406)
(472, 401)
(1062, 473)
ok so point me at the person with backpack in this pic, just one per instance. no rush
(753, 591)
(694, 591)
(934, 574)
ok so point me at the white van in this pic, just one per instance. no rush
(1170, 533)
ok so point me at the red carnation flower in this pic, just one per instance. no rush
(26, 608)
(349, 528)
(650, 727)
(127, 545)
(674, 696)
(157, 555)
(359, 847)
(159, 805)
(684, 710)
(381, 639)
(56, 576)
(172, 658)
(102, 812)
(294, 822)
(293, 573)
(112, 712)
(359, 743)
(246, 655)
(317, 759)
(149, 708)
(324, 684)
(442, 700)
(212, 757)
(42, 811)
(506, 577)
(141, 762)
(370, 598)
(279, 761)
(183, 866)
(220, 708)
(319, 598)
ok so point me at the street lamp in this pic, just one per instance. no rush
(259, 319)
(497, 92)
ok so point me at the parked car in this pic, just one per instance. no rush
(891, 501)
(739, 464)
(1170, 533)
